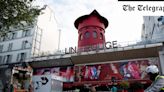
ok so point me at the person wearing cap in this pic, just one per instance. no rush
(157, 80)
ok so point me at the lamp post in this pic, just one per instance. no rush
(59, 40)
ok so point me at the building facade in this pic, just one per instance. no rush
(100, 68)
(153, 29)
(31, 41)
(91, 29)
(17, 46)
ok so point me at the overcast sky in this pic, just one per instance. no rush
(123, 26)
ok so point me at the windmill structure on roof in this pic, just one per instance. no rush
(91, 29)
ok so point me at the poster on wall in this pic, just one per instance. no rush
(42, 83)
(119, 70)
(56, 86)
(66, 73)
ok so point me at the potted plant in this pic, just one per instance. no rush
(137, 86)
(124, 85)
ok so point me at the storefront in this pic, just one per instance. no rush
(100, 69)
(5, 77)
(21, 79)
(15, 77)
(105, 74)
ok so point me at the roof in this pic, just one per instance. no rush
(102, 56)
(94, 12)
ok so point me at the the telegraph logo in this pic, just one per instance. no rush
(141, 0)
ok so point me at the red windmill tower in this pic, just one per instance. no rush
(91, 29)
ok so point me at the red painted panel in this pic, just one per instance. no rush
(90, 25)
(91, 21)
(127, 70)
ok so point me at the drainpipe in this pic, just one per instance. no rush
(161, 58)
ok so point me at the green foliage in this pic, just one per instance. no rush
(124, 84)
(17, 13)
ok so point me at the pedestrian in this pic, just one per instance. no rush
(157, 80)
(114, 88)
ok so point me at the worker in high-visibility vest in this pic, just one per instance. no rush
(157, 80)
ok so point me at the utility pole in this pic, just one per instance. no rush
(161, 59)
(59, 40)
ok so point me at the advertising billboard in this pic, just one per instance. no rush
(118, 70)
(47, 83)
(42, 83)
(66, 73)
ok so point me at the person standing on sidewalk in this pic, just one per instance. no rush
(114, 88)
(157, 80)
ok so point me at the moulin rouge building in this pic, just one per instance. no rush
(97, 62)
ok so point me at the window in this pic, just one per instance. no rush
(1, 48)
(101, 36)
(13, 35)
(160, 18)
(25, 33)
(87, 34)
(81, 37)
(5, 37)
(94, 34)
(0, 59)
(21, 57)
(24, 44)
(7, 59)
(2, 38)
(10, 46)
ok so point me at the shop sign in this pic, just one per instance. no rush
(106, 45)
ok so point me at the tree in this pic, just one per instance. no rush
(17, 14)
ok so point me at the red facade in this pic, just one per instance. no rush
(91, 29)
(119, 70)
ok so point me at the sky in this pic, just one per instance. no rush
(124, 26)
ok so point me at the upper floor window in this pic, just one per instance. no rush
(10, 46)
(13, 35)
(101, 36)
(25, 33)
(21, 57)
(2, 38)
(7, 59)
(5, 37)
(81, 37)
(94, 34)
(160, 18)
(87, 34)
(0, 59)
(1, 48)
(24, 44)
